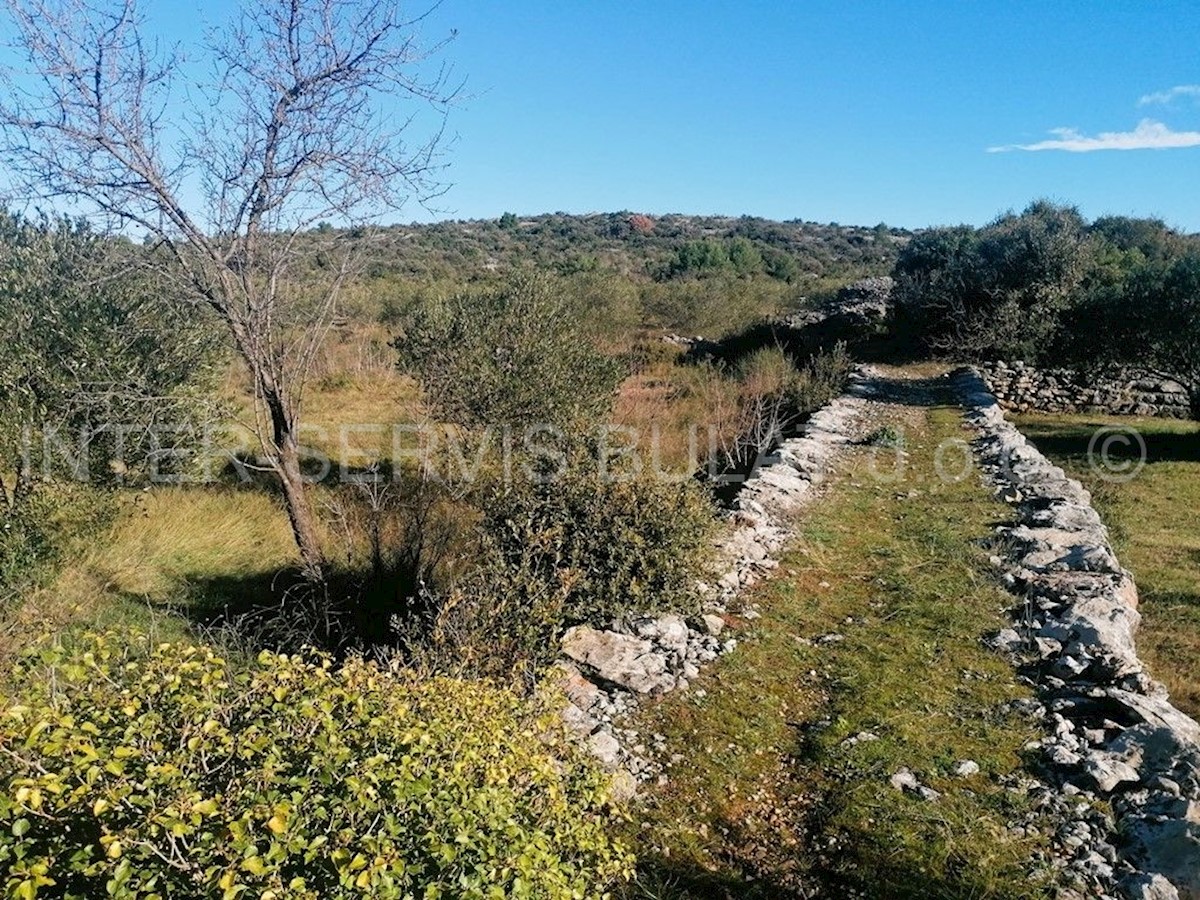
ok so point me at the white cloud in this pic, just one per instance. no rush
(1163, 97)
(1149, 135)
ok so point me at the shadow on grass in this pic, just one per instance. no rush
(246, 611)
(248, 472)
(282, 611)
(664, 879)
(802, 344)
(1074, 441)
(828, 861)
(848, 866)
(1190, 600)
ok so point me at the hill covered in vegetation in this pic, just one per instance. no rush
(657, 247)
(700, 273)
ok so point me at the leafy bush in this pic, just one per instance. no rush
(887, 436)
(1152, 321)
(36, 530)
(1046, 287)
(714, 306)
(821, 379)
(583, 548)
(699, 257)
(518, 356)
(159, 771)
(88, 346)
(1001, 290)
(99, 383)
(740, 256)
(605, 306)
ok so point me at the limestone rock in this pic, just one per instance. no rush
(580, 691)
(669, 632)
(713, 624)
(621, 659)
(605, 748)
(1108, 771)
(1006, 640)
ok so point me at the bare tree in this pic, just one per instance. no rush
(304, 118)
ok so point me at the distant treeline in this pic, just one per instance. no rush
(1048, 287)
(658, 247)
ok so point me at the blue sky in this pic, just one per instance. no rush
(855, 112)
(829, 111)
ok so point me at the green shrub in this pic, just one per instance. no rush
(95, 373)
(89, 345)
(715, 306)
(1001, 290)
(39, 527)
(888, 437)
(521, 355)
(145, 771)
(583, 548)
(606, 307)
(821, 379)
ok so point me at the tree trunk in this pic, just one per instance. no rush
(299, 510)
(286, 461)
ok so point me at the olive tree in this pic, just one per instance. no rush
(98, 382)
(519, 355)
(305, 118)
(1153, 322)
(999, 290)
(88, 355)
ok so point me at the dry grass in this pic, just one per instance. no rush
(175, 550)
(1155, 528)
(686, 415)
(353, 397)
(671, 408)
(355, 382)
(170, 552)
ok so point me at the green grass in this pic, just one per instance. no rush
(767, 800)
(1155, 527)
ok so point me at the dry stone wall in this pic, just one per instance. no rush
(1022, 388)
(1112, 733)
(605, 671)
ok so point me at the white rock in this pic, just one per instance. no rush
(621, 659)
(605, 748)
(713, 624)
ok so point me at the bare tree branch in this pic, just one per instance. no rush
(299, 124)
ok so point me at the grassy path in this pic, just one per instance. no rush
(872, 628)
